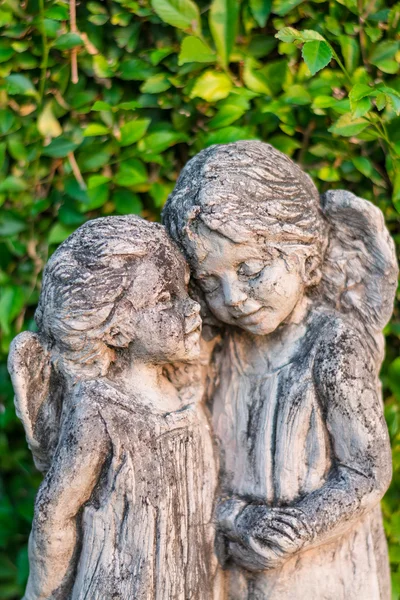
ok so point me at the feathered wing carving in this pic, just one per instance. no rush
(37, 396)
(360, 269)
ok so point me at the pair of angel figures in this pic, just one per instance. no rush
(244, 462)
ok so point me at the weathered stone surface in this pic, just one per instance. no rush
(114, 419)
(300, 289)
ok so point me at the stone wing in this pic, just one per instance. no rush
(360, 269)
(37, 396)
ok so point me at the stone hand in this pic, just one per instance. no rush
(261, 537)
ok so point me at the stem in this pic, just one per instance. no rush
(74, 51)
(45, 57)
(362, 37)
(341, 65)
(76, 171)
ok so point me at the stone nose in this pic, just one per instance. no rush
(233, 293)
(191, 307)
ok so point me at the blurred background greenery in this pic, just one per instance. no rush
(101, 104)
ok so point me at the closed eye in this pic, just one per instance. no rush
(208, 284)
(251, 268)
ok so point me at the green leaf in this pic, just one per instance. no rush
(11, 303)
(363, 165)
(298, 95)
(57, 12)
(58, 233)
(317, 55)
(223, 17)
(384, 50)
(97, 194)
(183, 14)
(227, 114)
(254, 78)
(282, 7)
(380, 101)
(157, 56)
(288, 35)
(19, 85)
(195, 50)
(16, 148)
(383, 56)
(10, 224)
(59, 147)
(7, 120)
(96, 129)
(260, 10)
(359, 91)
(133, 131)
(351, 52)
(226, 135)
(101, 67)
(98, 19)
(13, 184)
(132, 105)
(157, 142)
(67, 41)
(131, 172)
(6, 52)
(211, 86)
(128, 37)
(73, 189)
(47, 123)
(276, 74)
(260, 45)
(324, 102)
(96, 8)
(156, 84)
(394, 101)
(96, 180)
(136, 70)
(329, 173)
(361, 107)
(284, 143)
(309, 35)
(347, 126)
(100, 105)
(374, 33)
(127, 202)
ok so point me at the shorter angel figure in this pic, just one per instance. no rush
(125, 508)
(302, 288)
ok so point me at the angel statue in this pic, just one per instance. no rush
(301, 288)
(125, 509)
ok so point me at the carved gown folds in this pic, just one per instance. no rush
(147, 528)
(277, 447)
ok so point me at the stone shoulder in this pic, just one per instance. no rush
(339, 340)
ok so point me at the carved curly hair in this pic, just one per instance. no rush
(85, 280)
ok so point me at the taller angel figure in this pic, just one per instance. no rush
(301, 287)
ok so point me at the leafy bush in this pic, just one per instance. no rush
(101, 106)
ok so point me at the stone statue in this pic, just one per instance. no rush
(125, 508)
(300, 288)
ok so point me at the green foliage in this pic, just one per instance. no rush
(99, 119)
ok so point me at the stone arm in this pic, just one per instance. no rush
(348, 389)
(75, 470)
(261, 537)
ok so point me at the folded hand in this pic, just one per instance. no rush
(264, 538)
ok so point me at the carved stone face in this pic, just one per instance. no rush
(156, 318)
(250, 285)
